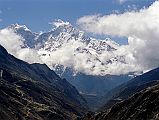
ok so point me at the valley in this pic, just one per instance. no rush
(92, 77)
(33, 91)
(79, 60)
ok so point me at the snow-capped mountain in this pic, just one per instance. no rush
(92, 54)
(61, 34)
(92, 65)
(28, 36)
(102, 45)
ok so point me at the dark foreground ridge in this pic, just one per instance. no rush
(34, 92)
(137, 99)
(141, 106)
(128, 89)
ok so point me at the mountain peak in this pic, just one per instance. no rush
(57, 23)
(16, 26)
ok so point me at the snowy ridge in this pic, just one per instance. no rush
(57, 23)
(17, 26)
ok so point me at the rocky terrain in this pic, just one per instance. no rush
(129, 88)
(143, 105)
(135, 100)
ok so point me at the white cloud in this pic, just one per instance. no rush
(15, 46)
(83, 61)
(10, 40)
(88, 63)
(127, 24)
(141, 28)
(64, 55)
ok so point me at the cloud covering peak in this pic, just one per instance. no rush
(15, 46)
(88, 56)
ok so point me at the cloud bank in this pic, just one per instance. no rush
(15, 46)
(141, 28)
(88, 61)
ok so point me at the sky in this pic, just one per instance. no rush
(37, 14)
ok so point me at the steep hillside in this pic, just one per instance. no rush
(141, 106)
(135, 100)
(33, 91)
(125, 90)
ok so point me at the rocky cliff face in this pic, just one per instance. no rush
(33, 91)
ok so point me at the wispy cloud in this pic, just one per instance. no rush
(0, 14)
(121, 1)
